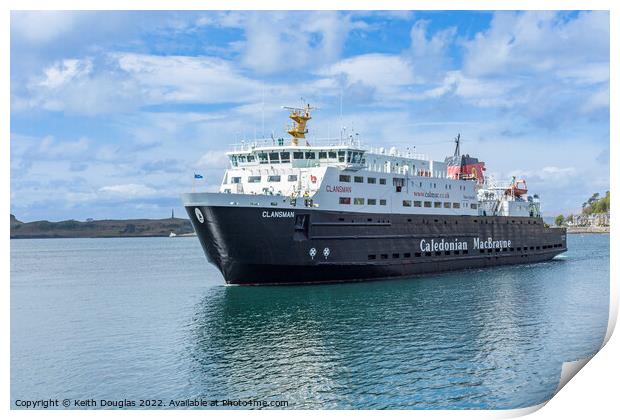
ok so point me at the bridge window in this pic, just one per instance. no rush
(322, 155)
(254, 179)
(235, 180)
(292, 178)
(233, 160)
(298, 155)
(262, 158)
(372, 202)
(345, 178)
(274, 157)
(358, 201)
(341, 155)
(310, 155)
(345, 200)
(332, 155)
(285, 157)
(250, 158)
(273, 178)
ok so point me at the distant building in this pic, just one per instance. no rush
(597, 219)
(90, 219)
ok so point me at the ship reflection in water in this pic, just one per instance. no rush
(478, 339)
(150, 318)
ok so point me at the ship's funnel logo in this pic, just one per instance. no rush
(199, 215)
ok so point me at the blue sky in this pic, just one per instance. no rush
(112, 112)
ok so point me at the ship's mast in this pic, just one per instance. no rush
(300, 117)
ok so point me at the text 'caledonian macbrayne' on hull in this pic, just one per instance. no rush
(293, 213)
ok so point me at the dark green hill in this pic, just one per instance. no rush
(100, 228)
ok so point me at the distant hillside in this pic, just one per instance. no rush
(99, 228)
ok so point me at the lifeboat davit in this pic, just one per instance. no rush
(517, 188)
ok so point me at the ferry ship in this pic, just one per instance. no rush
(294, 212)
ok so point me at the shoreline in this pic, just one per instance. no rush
(587, 229)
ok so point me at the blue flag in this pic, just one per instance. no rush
(198, 176)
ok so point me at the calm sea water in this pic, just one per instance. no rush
(151, 319)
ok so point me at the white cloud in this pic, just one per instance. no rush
(128, 190)
(65, 71)
(276, 42)
(41, 26)
(213, 159)
(538, 43)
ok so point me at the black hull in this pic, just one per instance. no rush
(256, 246)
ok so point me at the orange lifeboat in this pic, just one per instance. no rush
(517, 188)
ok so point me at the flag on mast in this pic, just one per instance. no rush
(198, 176)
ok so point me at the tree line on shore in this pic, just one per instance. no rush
(595, 205)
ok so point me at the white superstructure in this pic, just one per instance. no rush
(342, 175)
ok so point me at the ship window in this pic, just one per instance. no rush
(262, 158)
(273, 178)
(332, 155)
(372, 257)
(310, 155)
(358, 179)
(427, 204)
(406, 203)
(407, 255)
(274, 157)
(418, 254)
(345, 178)
(437, 204)
(417, 204)
(254, 179)
(292, 178)
(437, 253)
(241, 159)
(345, 200)
(358, 201)
(395, 255)
(446, 205)
(456, 252)
(382, 181)
(298, 155)
(233, 160)
(235, 180)
(250, 158)
(456, 205)
(341, 154)
(447, 252)
(475, 206)
(372, 180)
(465, 251)
(285, 157)
(322, 155)
(384, 256)
(383, 202)
(372, 202)
(428, 254)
